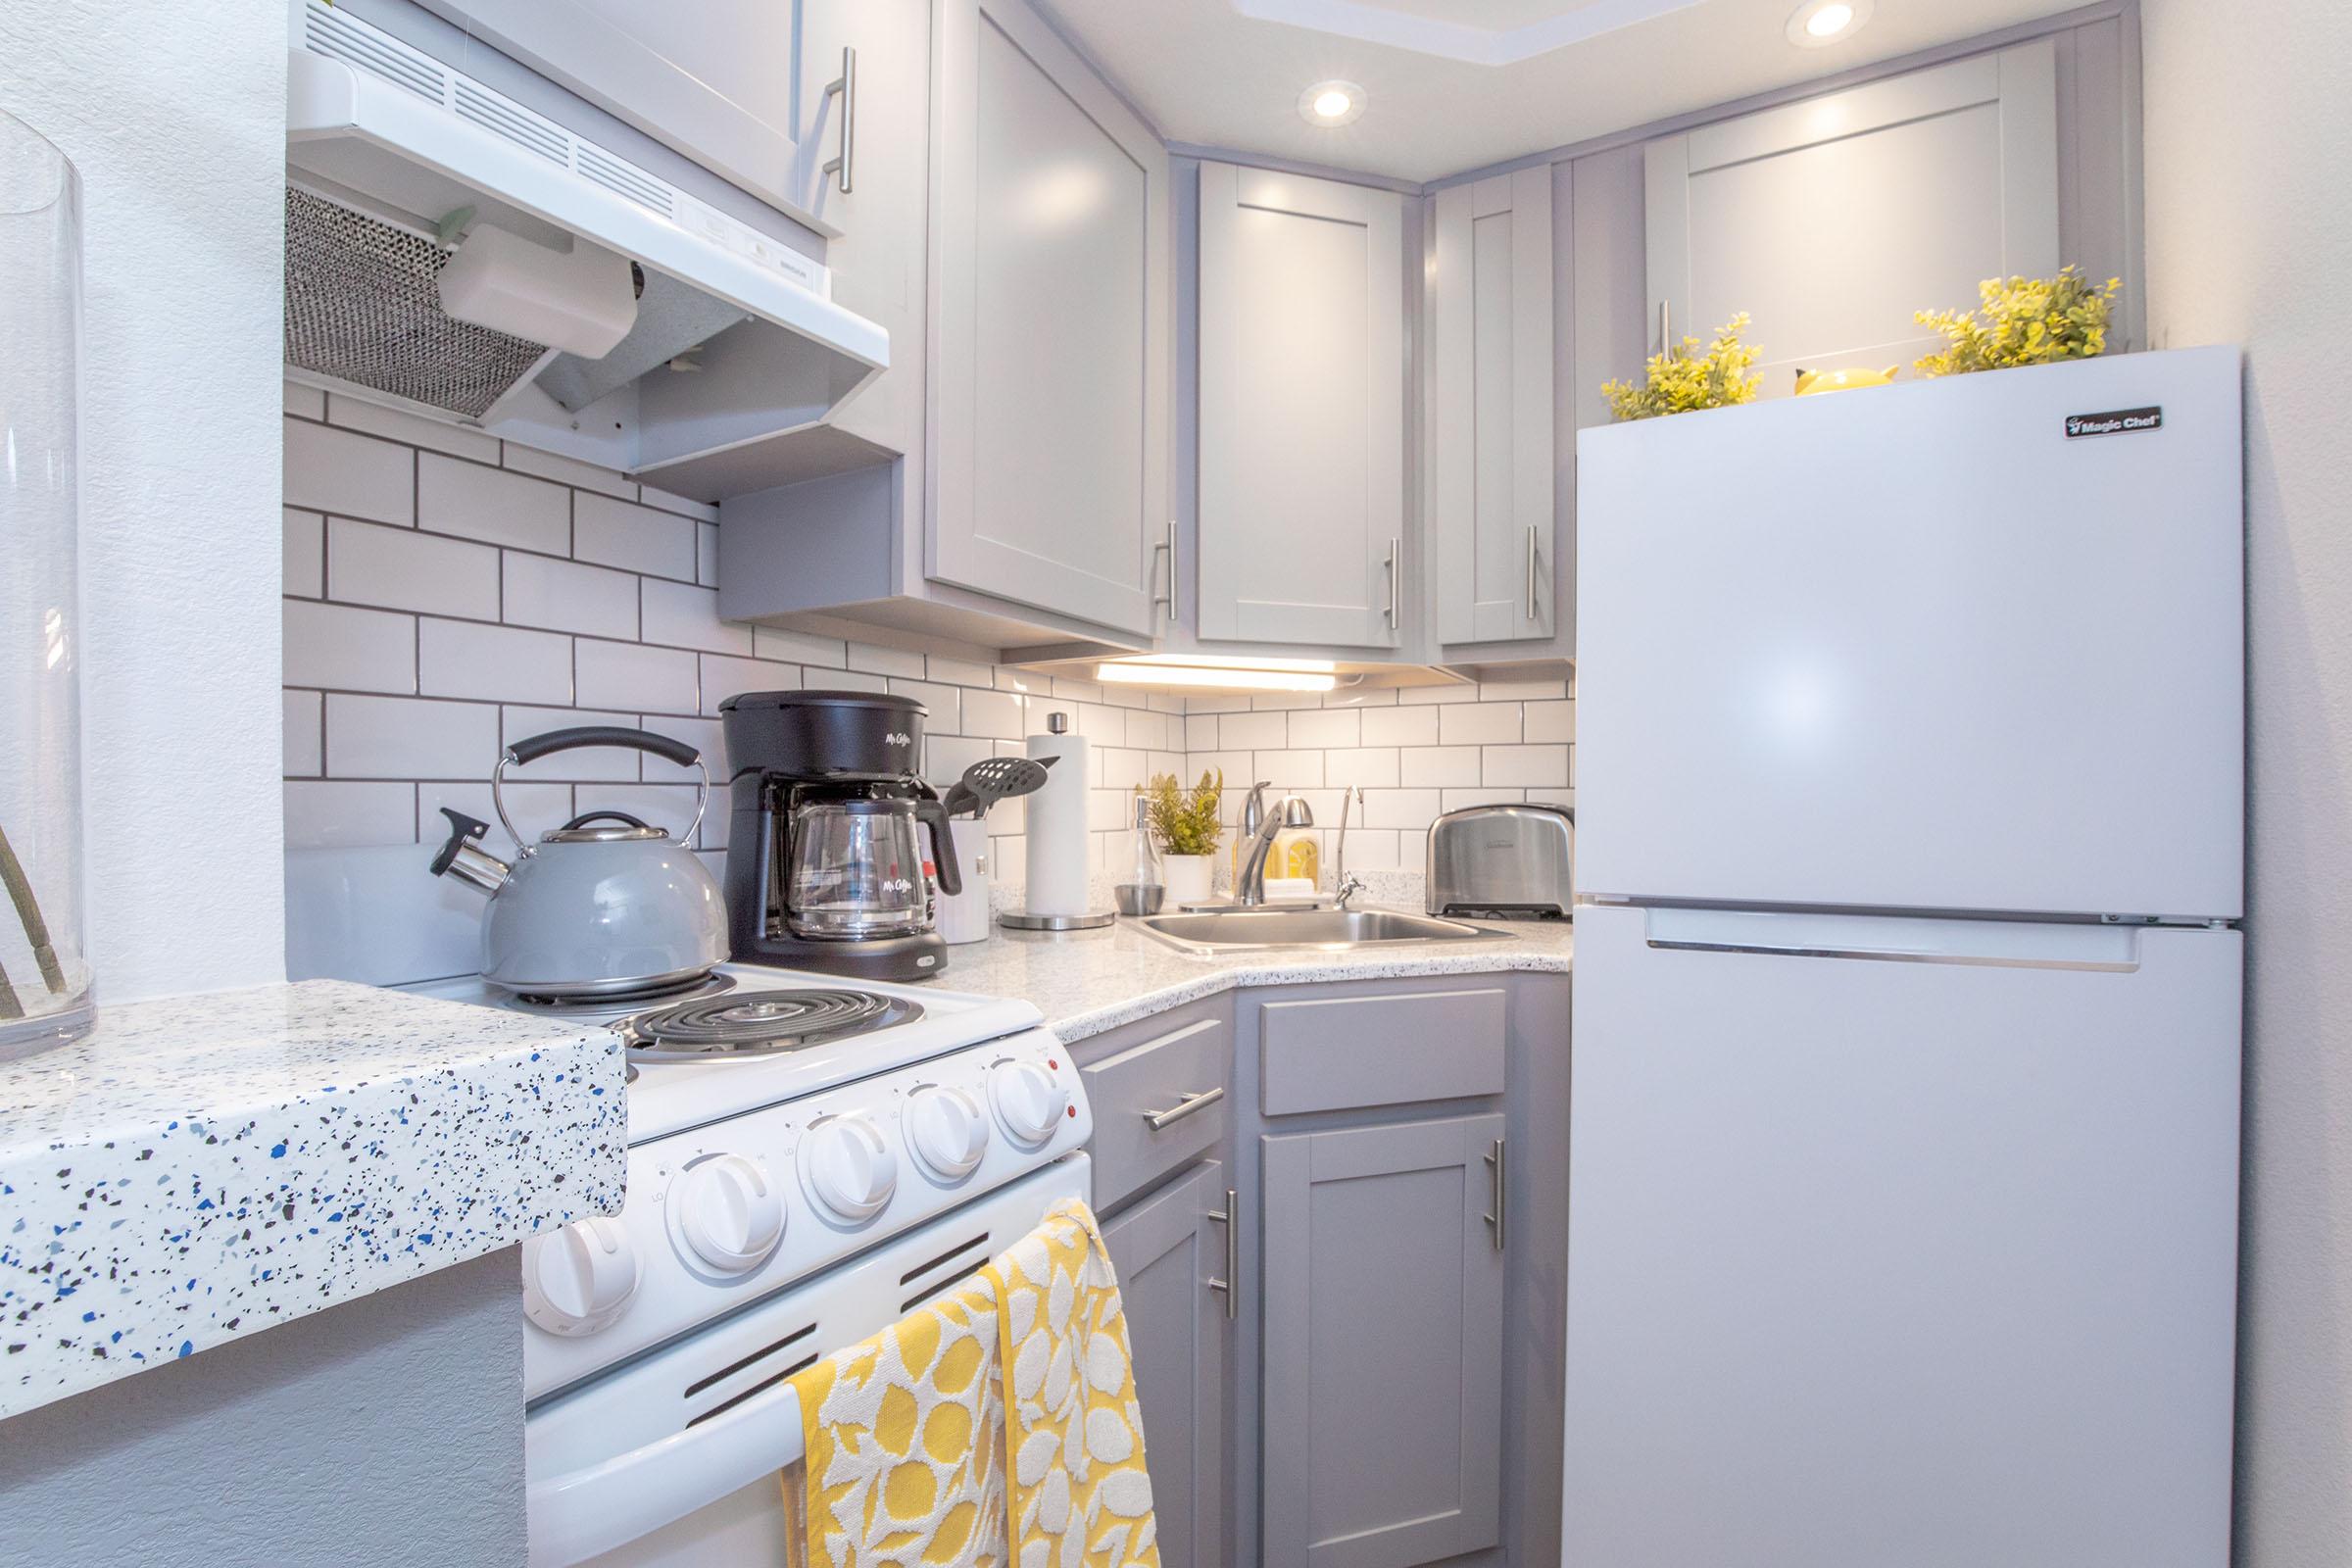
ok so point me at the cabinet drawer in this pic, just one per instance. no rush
(1380, 1050)
(1131, 1089)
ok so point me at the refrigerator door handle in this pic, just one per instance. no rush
(1898, 939)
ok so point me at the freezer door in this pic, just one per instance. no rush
(1916, 648)
(1899, 1245)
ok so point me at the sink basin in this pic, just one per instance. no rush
(1233, 930)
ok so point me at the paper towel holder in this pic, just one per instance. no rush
(1057, 723)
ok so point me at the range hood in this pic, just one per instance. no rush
(451, 252)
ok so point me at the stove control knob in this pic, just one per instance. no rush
(1030, 1100)
(848, 1169)
(729, 1214)
(947, 1132)
(579, 1279)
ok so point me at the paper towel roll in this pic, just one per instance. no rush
(1055, 825)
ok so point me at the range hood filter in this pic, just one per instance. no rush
(362, 304)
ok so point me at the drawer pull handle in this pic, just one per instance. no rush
(1226, 1218)
(1495, 1182)
(1186, 1105)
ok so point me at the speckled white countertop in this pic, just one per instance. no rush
(199, 1168)
(1088, 981)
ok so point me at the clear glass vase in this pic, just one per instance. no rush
(44, 975)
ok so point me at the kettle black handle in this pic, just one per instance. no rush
(463, 830)
(931, 812)
(572, 740)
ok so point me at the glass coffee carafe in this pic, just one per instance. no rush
(857, 870)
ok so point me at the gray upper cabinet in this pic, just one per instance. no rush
(1166, 1252)
(1832, 219)
(1301, 411)
(1491, 556)
(714, 80)
(1048, 480)
(1382, 1322)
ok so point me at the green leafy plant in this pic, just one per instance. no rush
(1186, 820)
(1685, 378)
(2024, 320)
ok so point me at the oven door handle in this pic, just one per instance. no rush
(586, 1512)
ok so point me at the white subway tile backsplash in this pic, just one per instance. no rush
(564, 596)
(1525, 766)
(634, 538)
(655, 680)
(662, 806)
(454, 496)
(1550, 721)
(680, 615)
(799, 648)
(1518, 690)
(1484, 794)
(1325, 727)
(305, 571)
(941, 712)
(945, 757)
(1361, 697)
(590, 764)
(1477, 724)
(325, 814)
(845, 680)
(395, 424)
(958, 671)
(1425, 696)
(569, 470)
(409, 738)
(724, 676)
(1239, 732)
(1423, 766)
(400, 568)
(1400, 809)
(535, 807)
(350, 649)
(1200, 732)
(1290, 771)
(1122, 768)
(492, 663)
(706, 554)
(1401, 727)
(1000, 714)
(299, 735)
(349, 475)
(877, 659)
(1372, 766)
(705, 735)
(701, 510)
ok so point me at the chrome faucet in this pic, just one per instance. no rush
(1346, 884)
(1288, 811)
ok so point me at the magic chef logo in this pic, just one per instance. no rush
(2120, 421)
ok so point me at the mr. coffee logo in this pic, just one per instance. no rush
(2122, 422)
(895, 738)
(896, 884)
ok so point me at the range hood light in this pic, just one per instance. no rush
(1137, 672)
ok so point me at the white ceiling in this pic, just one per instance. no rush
(1221, 73)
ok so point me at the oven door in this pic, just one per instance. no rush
(678, 1457)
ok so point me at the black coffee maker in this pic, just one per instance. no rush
(834, 841)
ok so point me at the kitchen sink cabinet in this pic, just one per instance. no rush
(1489, 428)
(1301, 414)
(1169, 1251)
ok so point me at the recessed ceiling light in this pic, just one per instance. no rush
(1331, 103)
(1818, 23)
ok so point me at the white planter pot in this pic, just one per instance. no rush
(1187, 878)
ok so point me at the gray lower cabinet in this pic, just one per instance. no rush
(1383, 1321)
(1169, 1251)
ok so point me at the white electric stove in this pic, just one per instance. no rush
(809, 1159)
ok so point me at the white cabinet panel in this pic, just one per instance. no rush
(1491, 422)
(1049, 478)
(1832, 220)
(1302, 415)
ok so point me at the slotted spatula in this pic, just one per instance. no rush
(993, 779)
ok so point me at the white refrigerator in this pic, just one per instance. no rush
(1904, 1130)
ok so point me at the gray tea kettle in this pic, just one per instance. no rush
(604, 904)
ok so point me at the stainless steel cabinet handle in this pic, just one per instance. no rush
(1186, 1105)
(1530, 574)
(1169, 549)
(845, 84)
(1495, 1183)
(1233, 1250)
(1396, 548)
(1665, 328)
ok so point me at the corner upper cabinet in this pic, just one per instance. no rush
(1301, 411)
(1048, 478)
(1491, 556)
(1936, 179)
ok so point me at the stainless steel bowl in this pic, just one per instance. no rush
(1136, 899)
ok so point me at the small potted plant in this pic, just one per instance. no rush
(1186, 824)
(1684, 378)
(2024, 320)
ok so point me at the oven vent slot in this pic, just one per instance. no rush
(760, 1354)
(761, 1386)
(959, 1260)
(623, 178)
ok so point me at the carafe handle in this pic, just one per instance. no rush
(933, 814)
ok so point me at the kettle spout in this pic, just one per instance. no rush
(463, 857)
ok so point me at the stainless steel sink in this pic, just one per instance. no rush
(1233, 930)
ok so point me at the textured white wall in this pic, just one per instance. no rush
(175, 115)
(2249, 212)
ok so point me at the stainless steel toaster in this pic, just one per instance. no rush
(1505, 862)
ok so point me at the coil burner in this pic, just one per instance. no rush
(763, 1024)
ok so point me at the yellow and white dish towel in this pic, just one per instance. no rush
(997, 1425)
